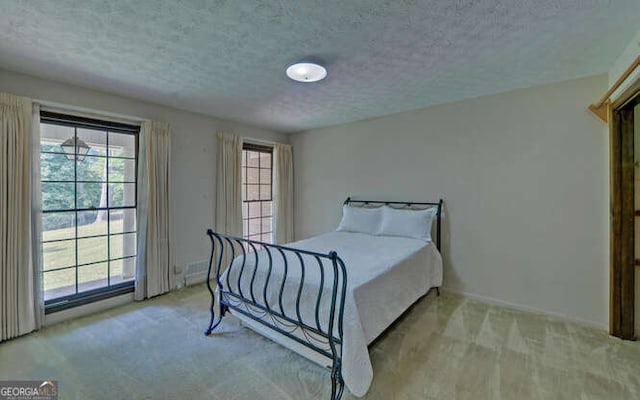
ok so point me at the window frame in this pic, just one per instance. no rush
(111, 290)
(259, 149)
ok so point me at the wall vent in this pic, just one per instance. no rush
(196, 273)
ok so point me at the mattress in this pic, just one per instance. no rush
(385, 275)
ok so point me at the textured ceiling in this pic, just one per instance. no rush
(227, 58)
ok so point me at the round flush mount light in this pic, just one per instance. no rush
(306, 72)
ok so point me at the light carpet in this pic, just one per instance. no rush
(443, 348)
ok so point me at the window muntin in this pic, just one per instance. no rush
(257, 193)
(88, 207)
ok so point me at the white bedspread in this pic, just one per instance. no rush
(385, 275)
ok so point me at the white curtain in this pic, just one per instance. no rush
(283, 193)
(17, 316)
(36, 218)
(228, 185)
(153, 272)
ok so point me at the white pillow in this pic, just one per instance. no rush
(360, 219)
(407, 223)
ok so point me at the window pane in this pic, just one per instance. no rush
(267, 237)
(122, 145)
(91, 169)
(57, 196)
(265, 192)
(252, 159)
(122, 170)
(123, 245)
(123, 220)
(266, 208)
(58, 225)
(122, 270)
(92, 250)
(52, 136)
(59, 254)
(59, 283)
(265, 176)
(92, 223)
(252, 175)
(90, 195)
(92, 276)
(252, 192)
(56, 167)
(265, 160)
(254, 226)
(97, 141)
(266, 224)
(245, 227)
(254, 210)
(124, 194)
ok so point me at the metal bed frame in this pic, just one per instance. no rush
(326, 341)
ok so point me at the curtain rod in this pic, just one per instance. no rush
(599, 109)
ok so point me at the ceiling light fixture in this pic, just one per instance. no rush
(306, 72)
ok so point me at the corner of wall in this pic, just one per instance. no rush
(622, 63)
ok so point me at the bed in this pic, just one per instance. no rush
(327, 297)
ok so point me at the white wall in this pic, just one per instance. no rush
(193, 153)
(524, 176)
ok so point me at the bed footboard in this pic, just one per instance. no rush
(298, 293)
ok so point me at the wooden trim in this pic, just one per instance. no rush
(600, 111)
(629, 98)
(599, 108)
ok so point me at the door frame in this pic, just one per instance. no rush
(622, 213)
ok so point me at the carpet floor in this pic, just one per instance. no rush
(443, 348)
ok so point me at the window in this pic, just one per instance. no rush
(88, 189)
(257, 219)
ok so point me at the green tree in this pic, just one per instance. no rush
(58, 175)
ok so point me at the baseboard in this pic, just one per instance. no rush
(520, 307)
(195, 279)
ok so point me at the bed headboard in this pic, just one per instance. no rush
(411, 205)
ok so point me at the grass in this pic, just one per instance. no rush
(90, 250)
